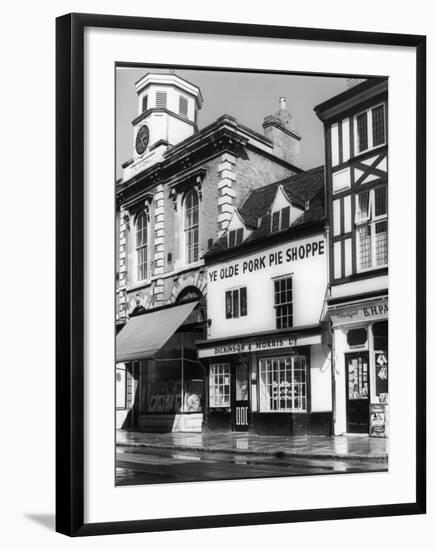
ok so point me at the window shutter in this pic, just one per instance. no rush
(239, 238)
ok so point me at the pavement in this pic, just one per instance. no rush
(344, 447)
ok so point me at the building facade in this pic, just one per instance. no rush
(267, 352)
(356, 149)
(175, 199)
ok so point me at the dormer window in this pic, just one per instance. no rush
(144, 104)
(281, 219)
(183, 106)
(235, 237)
(161, 100)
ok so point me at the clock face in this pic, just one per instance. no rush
(142, 139)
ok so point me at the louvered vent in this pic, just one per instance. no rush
(183, 106)
(161, 99)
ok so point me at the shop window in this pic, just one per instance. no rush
(370, 129)
(380, 345)
(236, 303)
(283, 299)
(358, 378)
(371, 224)
(191, 226)
(283, 384)
(220, 385)
(357, 337)
(120, 388)
(281, 219)
(141, 233)
(235, 237)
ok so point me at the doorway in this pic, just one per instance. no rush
(241, 398)
(357, 392)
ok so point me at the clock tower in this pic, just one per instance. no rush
(167, 114)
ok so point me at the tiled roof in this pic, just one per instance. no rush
(302, 189)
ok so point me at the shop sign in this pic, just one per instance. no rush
(378, 421)
(280, 256)
(360, 313)
(261, 344)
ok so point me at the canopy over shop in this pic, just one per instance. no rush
(158, 350)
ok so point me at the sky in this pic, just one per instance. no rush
(248, 97)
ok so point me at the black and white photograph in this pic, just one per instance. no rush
(251, 262)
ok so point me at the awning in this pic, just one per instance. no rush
(144, 335)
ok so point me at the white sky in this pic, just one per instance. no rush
(249, 97)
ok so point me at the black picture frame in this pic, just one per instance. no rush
(70, 273)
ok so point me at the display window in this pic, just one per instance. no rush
(380, 344)
(283, 384)
(220, 385)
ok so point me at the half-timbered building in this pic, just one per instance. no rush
(356, 147)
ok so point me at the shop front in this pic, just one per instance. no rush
(157, 349)
(361, 366)
(275, 383)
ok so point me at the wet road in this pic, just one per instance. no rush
(138, 466)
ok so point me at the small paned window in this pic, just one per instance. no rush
(183, 106)
(370, 128)
(236, 303)
(372, 228)
(283, 384)
(283, 300)
(362, 132)
(378, 125)
(220, 385)
(161, 99)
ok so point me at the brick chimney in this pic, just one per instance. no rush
(286, 140)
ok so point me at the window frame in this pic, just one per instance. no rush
(223, 372)
(191, 229)
(370, 220)
(142, 248)
(238, 235)
(303, 396)
(277, 305)
(370, 144)
(279, 213)
(232, 292)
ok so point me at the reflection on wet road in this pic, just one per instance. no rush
(137, 466)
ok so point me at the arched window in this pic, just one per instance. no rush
(141, 246)
(191, 226)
